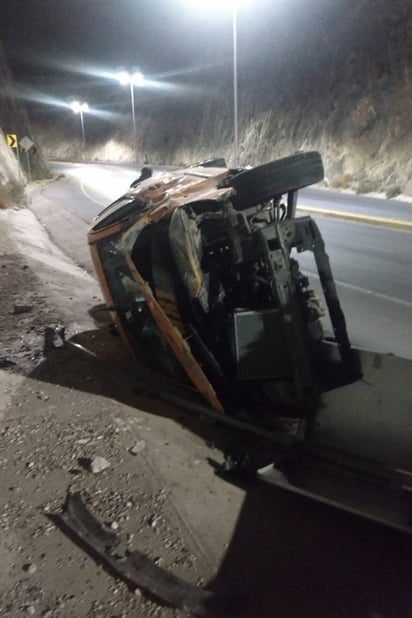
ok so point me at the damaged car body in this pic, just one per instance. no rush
(200, 269)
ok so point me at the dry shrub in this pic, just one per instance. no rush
(5, 198)
(341, 181)
(393, 191)
(11, 195)
(367, 186)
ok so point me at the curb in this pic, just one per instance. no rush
(395, 223)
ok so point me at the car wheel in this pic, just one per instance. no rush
(276, 178)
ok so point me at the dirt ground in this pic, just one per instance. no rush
(264, 553)
(59, 411)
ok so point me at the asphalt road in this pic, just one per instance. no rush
(357, 204)
(371, 264)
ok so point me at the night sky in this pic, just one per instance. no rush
(69, 48)
(158, 36)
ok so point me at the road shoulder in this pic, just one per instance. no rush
(59, 411)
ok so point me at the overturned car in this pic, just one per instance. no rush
(199, 267)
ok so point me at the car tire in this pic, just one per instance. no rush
(262, 183)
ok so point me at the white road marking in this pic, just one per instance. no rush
(90, 197)
(356, 288)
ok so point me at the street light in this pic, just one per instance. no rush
(80, 107)
(131, 79)
(235, 102)
(232, 4)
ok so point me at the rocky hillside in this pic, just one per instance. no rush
(14, 165)
(336, 77)
(11, 177)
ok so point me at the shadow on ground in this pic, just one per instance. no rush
(290, 557)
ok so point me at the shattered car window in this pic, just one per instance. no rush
(132, 309)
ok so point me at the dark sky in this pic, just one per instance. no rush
(156, 35)
(65, 47)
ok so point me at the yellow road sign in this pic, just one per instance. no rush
(12, 140)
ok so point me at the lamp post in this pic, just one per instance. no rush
(235, 101)
(233, 5)
(79, 107)
(131, 80)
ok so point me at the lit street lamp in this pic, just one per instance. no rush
(131, 79)
(232, 4)
(79, 107)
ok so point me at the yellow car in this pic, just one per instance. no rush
(196, 264)
(199, 268)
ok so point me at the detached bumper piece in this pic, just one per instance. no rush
(134, 567)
